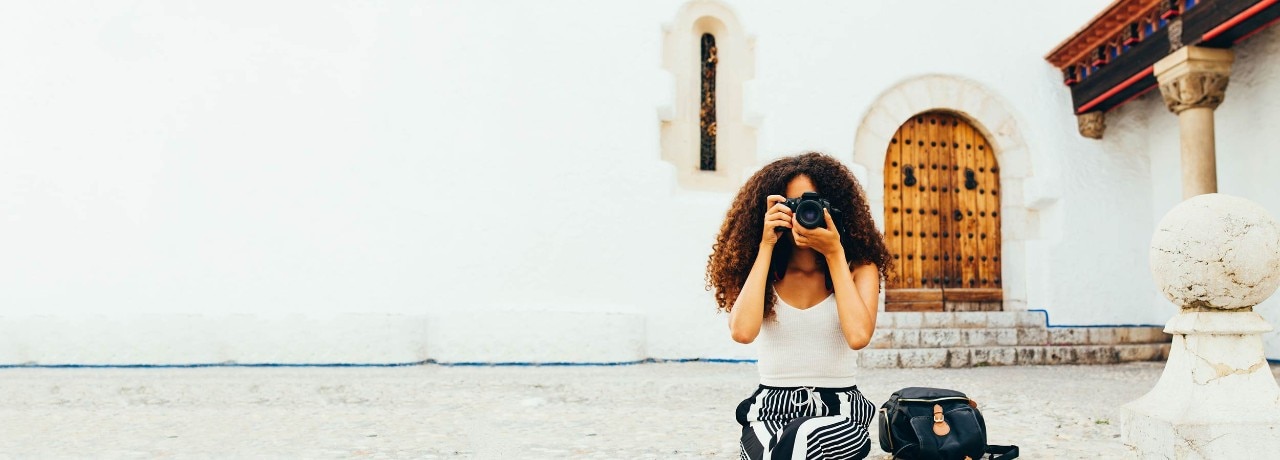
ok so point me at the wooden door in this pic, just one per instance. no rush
(942, 217)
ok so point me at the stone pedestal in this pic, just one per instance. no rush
(1193, 81)
(1215, 256)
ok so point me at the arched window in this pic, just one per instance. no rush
(704, 129)
(708, 112)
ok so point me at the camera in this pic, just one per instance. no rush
(808, 209)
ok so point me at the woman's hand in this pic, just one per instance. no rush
(824, 240)
(777, 217)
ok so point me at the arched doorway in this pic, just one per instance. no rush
(942, 217)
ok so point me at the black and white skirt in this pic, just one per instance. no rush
(805, 423)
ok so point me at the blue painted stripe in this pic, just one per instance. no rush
(210, 365)
(1046, 323)
(417, 363)
(723, 360)
(487, 364)
(535, 364)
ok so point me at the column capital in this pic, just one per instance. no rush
(1194, 77)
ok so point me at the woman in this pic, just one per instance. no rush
(810, 296)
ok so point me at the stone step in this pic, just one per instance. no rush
(1012, 355)
(960, 319)
(1013, 336)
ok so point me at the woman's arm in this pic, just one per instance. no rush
(747, 312)
(748, 309)
(857, 294)
(857, 290)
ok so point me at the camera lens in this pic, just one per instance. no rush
(810, 214)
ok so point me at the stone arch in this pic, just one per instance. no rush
(679, 118)
(987, 112)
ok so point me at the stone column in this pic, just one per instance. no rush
(1215, 256)
(1193, 81)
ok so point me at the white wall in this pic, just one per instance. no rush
(460, 160)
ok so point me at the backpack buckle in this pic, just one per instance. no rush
(940, 426)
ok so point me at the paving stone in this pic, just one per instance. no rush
(972, 319)
(908, 320)
(1006, 337)
(932, 345)
(1149, 335)
(1103, 354)
(1141, 352)
(1033, 336)
(1002, 319)
(1030, 355)
(1122, 334)
(923, 357)
(905, 338)
(545, 412)
(885, 320)
(1103, 335)
(1068, 336)
(940, 338)
(1031, 319)
(959, 357)
(878, 359)
(934, 320)
(881, 339)
(1060, 355)
(994, 356)
(983, 337)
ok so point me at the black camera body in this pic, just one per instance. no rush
(808, 210)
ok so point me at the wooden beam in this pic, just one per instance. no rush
(913, 306)
(974, 295)
(1124, 78)
(1105, 24)
(1234, 25)
(912, 295)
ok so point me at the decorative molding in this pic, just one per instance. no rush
(1111, 25)
(1107, 65)
(1091, 124)
(1175, 35)
(1195, 90)
(1194, 77)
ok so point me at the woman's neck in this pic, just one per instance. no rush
(803, 260)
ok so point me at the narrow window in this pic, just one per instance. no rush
(708, 112)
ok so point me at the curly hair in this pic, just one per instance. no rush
(738, 242)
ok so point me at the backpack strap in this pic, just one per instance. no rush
(1002, 452)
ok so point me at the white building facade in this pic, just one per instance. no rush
(503, 182)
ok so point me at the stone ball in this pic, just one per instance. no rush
(1216, 251)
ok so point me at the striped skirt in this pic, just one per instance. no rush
(805, 423)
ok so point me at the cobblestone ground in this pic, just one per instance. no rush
(672, 410)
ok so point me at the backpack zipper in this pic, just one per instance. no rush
(884, 415)
(948, 398)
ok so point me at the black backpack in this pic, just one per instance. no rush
(910, 429)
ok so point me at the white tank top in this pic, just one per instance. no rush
(805, 348)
